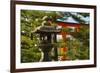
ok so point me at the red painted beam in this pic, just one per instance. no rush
(68, 24)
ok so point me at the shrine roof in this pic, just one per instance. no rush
(72, 20)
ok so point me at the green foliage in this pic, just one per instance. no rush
(79, 48)
(29, 52)
(30, 55)
(26, 42)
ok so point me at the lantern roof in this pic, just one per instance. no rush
(47, 29)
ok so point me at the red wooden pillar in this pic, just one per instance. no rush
(63, 48)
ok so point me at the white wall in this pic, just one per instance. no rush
(5, 36)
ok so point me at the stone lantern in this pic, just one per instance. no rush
(47, 38)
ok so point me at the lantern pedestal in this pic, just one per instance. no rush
(46, 48)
